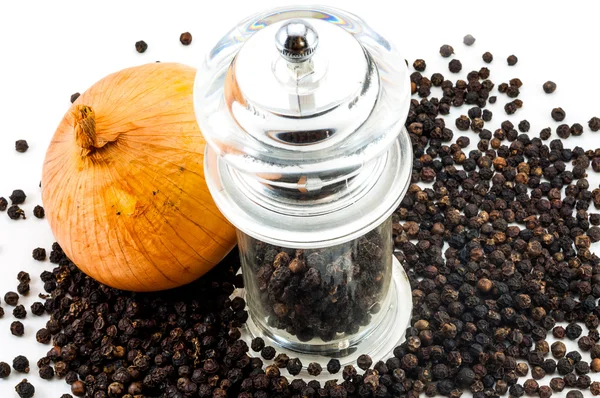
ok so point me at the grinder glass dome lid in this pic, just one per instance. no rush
(303, 111)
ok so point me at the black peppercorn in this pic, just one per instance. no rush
(314, 369)
(78, 388)
(38, 212)
(558, 114)
(46, 372)
(574, 394)
(419, 65)
(557, 384)
(573, 331)
(257, 344)
(4, 370)
(564, 366)
(17, 329)
(140, 47)
(530, 387)
(487, 57)
(23, 288)
(333, 366)
(39, 254)
(512, 60)
(594, 124)
(19, 312)
(294, 366)
(43, 336)
(21, 364)
(185, 38)
(446, 51)
(268, 353)
(549, 87)
(281, 360)
(14, 212)
(37, 308)
(468, 40)
(455, 66)
(538, 372)
(21, 146)
(364, 362)
(25, 389)
(17, 197)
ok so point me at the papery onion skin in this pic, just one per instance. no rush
(123, 183)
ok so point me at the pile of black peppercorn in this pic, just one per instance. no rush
(321, 293)
(495, 242)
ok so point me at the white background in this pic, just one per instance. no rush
(50, 49)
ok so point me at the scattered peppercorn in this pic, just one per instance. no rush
(524, 126)
(21, 364)
(546, 133)
(549, 87)
(78, 388)
(19, 312)
(74, 96)
(281, 360)
(574, 394)
(186, 38)
(538, 372)
(468, 40)
(38, 212)
(23, 288)
(257, 344)
(595, 365)
(487, 57)
(23, 276)
(558, 114)
(364, 362)
(39, 254)
(17, 197)
(4, 370)
(512, 60)
(419, 65)
(141, 46)
(455, 66)
(17, 329)
(595, 388)
(43, 336)
(11, 298)
(573, 331)
(294, 366)
(446, 51)
(21, 146)
(530, 387)
(563, 131)
(268, 353)
(37, 308)
(25, 389)
(3, 203)
(46, 372)
(594, 124)
(14, 212)
(576, 129)
(314, 369)
(463, 123)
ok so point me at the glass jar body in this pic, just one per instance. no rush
(318, 300)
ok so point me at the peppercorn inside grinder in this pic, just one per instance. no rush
(303, 110)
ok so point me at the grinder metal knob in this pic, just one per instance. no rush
(296, 41)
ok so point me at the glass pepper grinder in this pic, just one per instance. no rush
(303, 110)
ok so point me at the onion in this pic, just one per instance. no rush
(123, 183)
